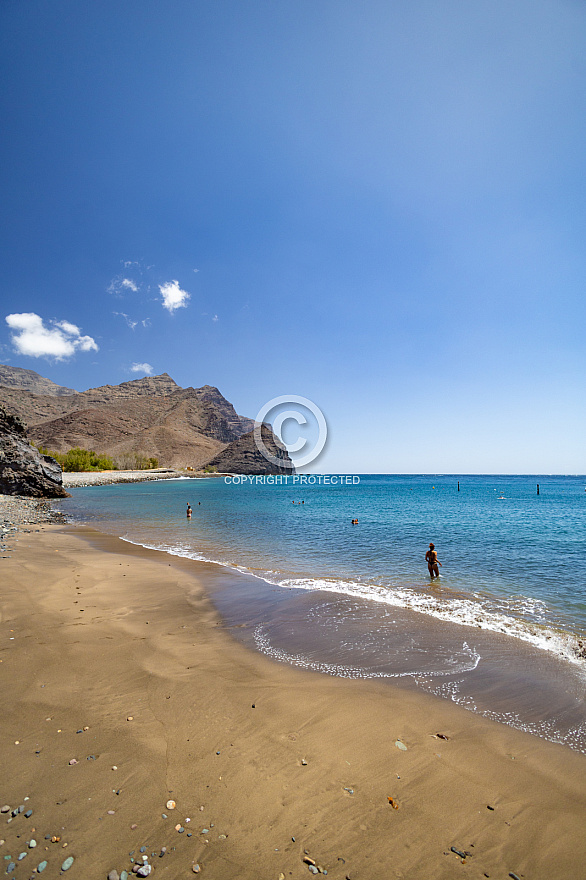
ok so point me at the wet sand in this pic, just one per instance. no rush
(99, 634)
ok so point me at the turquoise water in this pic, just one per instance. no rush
(340, 597)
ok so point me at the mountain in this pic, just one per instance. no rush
(28, 380)
(242, 456)
(149, 417)
(23, 470)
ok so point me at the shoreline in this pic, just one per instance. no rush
(72, 480)
(271, 752)
(82, 479)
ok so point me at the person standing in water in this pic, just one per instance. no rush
(188, 510)
(432, 562)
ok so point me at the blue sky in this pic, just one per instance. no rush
(378, 206)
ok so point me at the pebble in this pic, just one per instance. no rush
(142, 849)
(124, 875)
(22, 856)
(41, 867)
(196, 869)
(130, 718)
(163, 851)
(72, 762)
(10, 867)
(67, 864)
(32, 844)
(28, 814)
(5, 809)
(401, 745)
(313, 869)
(144, 871)
(114, 767)
(111, 812)
(113, 875)
(133, 827)
(171, 805)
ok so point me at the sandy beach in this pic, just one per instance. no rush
(121, 691)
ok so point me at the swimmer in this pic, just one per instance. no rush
(188, 511)
(354, 522)
(432, 562)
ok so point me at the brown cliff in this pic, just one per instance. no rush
(243, 456)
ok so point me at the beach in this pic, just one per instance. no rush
(122, 691)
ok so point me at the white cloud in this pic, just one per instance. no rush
(33, 338)
(173, 296)
(121, 285)
(142, 368)
(132, 324)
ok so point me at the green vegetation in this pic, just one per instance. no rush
(136, 461)
(79, 459)
(145, 464)
(209, 469)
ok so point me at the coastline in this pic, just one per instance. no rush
(72, 480)
(96, 631)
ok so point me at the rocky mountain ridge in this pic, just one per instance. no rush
(150, 417)
(16, 377)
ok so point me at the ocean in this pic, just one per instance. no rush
(501, 633)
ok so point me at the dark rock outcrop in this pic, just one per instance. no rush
(23, 470)
(243, 456)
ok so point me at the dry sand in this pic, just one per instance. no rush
(122, 644)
